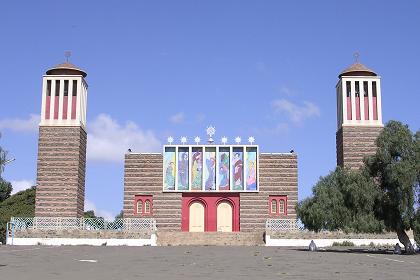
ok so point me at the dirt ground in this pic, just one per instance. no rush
(200, 262)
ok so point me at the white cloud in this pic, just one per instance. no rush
(21, 185)
(109, 141)
(21, 125)
(177, 118)
(295, 112)
(89, 205)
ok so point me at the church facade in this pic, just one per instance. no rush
(192, 187)
(210, 187)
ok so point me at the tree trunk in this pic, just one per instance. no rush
(405, 240)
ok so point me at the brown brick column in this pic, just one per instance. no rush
(354, 143)
(61, 169)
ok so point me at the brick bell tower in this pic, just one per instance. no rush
(61, 165)
(359, 114)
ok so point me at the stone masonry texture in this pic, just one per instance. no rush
(143, 175)
(354, 143)
(61, 167)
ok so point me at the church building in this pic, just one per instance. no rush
(200, 187)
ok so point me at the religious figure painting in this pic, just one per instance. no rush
(197, 169)
(223, 167)
(210, 169)
(251, 169)
(183, 166)
(169, 169)
(237, 169)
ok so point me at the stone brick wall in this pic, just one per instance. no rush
(353, 143)
(143, 175)
(61, 167)
(278, 176)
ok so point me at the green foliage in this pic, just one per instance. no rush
(343, 200)
(21, 204)
(120, 215)
(396, 169)
(89, 214)
(382, 195)
(5, 189)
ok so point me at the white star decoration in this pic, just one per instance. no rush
(183, 139)
(251, 140)
(224, 140)
(170, 140)
(238, 140)
(197, 140)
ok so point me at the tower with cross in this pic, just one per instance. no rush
(61, 164)
(359, 114)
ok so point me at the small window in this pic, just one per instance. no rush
(74, 88)
(49, 88)
(277, 205)
(281, 206)
(143, 205)
(66, 88)
(57, 88)
(147, 207)
(139, 206)
(273, 206)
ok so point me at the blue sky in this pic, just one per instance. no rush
(160, 68)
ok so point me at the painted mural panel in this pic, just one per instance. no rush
(183, 167)
(197, 169)
(223, 167)
(210, 169)
(169, 167)
(251, 169)
(237, 168)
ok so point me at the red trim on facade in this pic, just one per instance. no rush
(65, 104)
(375, 108)
(143, 199)
(349, 108)
(47, 107)
(210, 202)
(277, 198)
(73, 107)
(366, 108)
(56, 102)
(357, 108)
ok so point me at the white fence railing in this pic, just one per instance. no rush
(284, 225)
(63, 223)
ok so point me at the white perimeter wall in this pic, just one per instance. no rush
(82, 241)
(327, 242)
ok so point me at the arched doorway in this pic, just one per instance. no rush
(196, 217)
(224, 216)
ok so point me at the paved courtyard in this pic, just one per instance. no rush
(199, 262)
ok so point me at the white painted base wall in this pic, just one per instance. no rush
(82, 241)
(327, 242)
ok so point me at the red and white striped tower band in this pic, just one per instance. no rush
(61, 165)
(359, 115)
